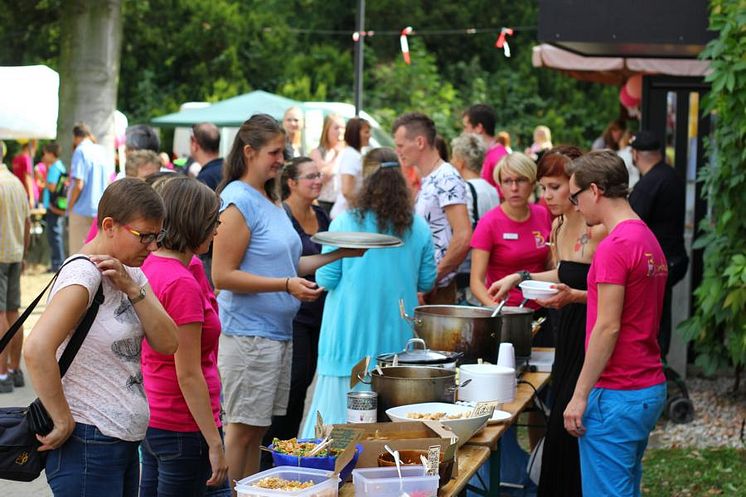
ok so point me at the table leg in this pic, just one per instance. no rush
(494, 486)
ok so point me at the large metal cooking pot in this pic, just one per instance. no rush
(416, 353)
(516, 329)
(404, 385)
(456, 328)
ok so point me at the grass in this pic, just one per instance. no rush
(694, 472)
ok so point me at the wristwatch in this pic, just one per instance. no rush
(525, 275)
(140, 296)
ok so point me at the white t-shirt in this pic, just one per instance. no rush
(487, 199)
(441, 188)
(330, 189)
(103, 385)
(350, 162)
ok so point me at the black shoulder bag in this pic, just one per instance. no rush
(19, 458)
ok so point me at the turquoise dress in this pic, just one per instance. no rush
(361, 313)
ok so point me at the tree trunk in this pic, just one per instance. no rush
(90, 52)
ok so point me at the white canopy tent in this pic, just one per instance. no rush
(29, 102)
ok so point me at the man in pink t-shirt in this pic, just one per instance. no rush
(481, 119)
(621, 389)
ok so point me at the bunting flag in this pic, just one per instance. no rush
(502, 42)
(405, 44)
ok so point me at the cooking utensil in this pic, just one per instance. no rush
(416, 353)
(499, 308)
(321, 446)
(454, 328)
(402, 385)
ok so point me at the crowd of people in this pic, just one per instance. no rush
(223, 322)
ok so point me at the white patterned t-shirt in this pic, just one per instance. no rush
(441, 188)
(103, 385)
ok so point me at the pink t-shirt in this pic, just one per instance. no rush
(631, 256)
(491, 158)
(513, 245)
(93, 231)
(186, 301)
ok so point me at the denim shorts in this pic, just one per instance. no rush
(618, 423)
(91, 464)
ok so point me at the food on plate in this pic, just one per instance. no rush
(293, 447)
(275, 483)
(437, 416)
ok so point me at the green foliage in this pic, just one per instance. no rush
(718, 326)
(680, 472)
(176, 51)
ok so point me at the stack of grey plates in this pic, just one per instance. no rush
(356, 240)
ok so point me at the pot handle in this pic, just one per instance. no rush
(414, 322)
(362, 378)
(414, 344)
(457, 386)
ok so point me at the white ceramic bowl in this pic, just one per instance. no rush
(463, 428)
(533, 289)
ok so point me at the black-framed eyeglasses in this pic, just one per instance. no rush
(574, 196)
(147, 238)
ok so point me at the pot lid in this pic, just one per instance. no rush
(416, 352)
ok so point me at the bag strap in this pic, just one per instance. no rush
(475, 210)
(80, 332)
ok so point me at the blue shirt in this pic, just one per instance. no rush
(53, 176)
(90, 163)
(361, 313)
(274, 251)
(211, 173)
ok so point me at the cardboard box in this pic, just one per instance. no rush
(416, 435)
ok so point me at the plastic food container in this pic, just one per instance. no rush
(384, 482)
(319, 462)
(324, 484)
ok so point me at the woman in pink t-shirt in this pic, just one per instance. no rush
(183, 450)
(513, 236)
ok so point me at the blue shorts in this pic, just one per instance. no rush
(618, 423)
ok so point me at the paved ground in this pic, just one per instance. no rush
(32, 283)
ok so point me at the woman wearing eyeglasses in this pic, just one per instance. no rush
(513, 237)
(574, 246)
(300, 184)
(182, 453)
(99, 408)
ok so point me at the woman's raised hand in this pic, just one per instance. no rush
(304, 290)
(499, 289)
(117, 274)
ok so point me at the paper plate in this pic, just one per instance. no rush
(357, 240)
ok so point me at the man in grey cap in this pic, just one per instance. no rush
(659, 199)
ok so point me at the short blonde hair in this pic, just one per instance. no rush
(517, 162)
